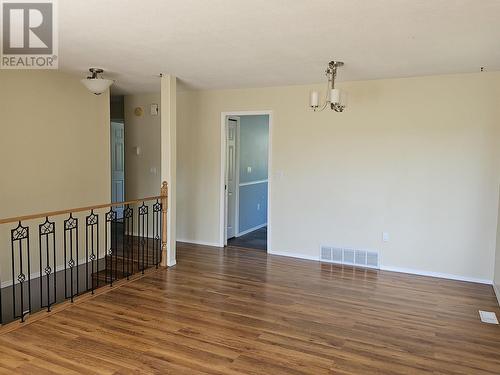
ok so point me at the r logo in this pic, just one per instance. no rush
(27, 28)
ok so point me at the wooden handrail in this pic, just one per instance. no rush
(78, 209)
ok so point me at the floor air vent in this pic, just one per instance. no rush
(352, 257)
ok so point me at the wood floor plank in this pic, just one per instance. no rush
(240, 311)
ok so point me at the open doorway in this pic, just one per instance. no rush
(117, 147)
(245, 188)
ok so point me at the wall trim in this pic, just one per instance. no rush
(294, 255)
(254, 182)
(203, 243)
(250, 230)
(497, 292)
(436, 274)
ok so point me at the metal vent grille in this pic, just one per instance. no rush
(354, 257)
(348, 256)
(337, 255)
(326, 253)
(372, 259)
(360, 257)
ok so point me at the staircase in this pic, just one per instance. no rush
(136, 256)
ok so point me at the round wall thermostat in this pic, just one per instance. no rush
(139, 111)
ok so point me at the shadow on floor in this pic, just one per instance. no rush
(253, 240)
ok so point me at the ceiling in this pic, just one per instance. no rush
(212, 44)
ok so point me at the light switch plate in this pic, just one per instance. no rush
(385, 236)
(154, 110)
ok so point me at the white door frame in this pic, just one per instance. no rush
(236, 179)
(222, 193)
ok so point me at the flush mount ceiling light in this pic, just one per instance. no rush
(334, 96)
(95, 83)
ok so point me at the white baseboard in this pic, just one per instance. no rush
(436, 274)
(497, 292)
(251, 230)
(294, 255)
(196, 242)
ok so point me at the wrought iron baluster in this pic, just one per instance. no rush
(142, 217)
(110, 252)
(70, 232)
(18, 235)
(91, 230)
(148, 259)
(128, 230)
(156, 232)
(77, 244)
(47, 230)
(98, 246)
(115, 245)
(124, 266)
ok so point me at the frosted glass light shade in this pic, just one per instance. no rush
(314, 99)
(97, 85)
(335, 96)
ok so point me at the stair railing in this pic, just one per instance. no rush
(58, 256)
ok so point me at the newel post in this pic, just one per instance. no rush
(164, 207)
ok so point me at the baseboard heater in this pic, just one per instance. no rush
(348, 256)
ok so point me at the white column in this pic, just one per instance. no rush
(168, 156)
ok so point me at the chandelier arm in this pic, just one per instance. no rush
(327, 101)
(322, 108)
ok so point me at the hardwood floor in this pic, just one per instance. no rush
(243, 312)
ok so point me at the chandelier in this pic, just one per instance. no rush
(334, 97)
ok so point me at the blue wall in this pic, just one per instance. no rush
(253, 151)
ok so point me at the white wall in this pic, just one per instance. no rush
(54, 143)
(143, 171)
(413, 157)
(54, 150)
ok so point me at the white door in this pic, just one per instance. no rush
(231, 177)
(118, 165)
